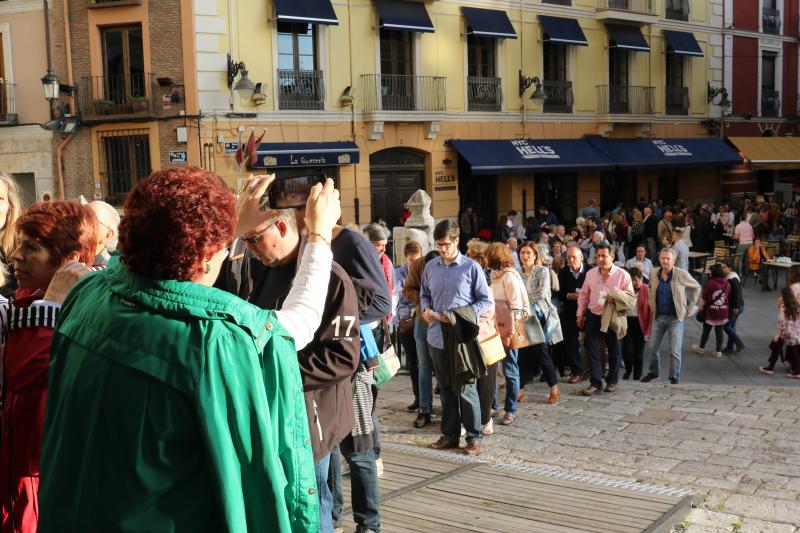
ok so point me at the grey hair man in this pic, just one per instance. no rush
(669, 304)
(108, 231)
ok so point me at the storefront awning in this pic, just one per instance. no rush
(626, 38)
(488, 23)
(775, 153)
(310, 154)
(666, 153)
(308, 11)
(520, 156)
(682, 43)
(562, 31)
(404, 16)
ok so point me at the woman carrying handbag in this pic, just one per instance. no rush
(536, 279)
(511, 308)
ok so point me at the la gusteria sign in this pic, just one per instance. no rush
(534, 151)
(671, 149)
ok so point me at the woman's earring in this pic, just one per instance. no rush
(208, 268)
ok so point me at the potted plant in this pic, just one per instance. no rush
(102, 106)
(140, 103)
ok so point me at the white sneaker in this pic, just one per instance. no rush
(463, 431)
(697, 349)
(716, 354)
(379, 466)
(488, 429)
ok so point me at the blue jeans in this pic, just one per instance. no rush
(593, 336)
(364, 489)
(325, 496)
(730, 330)
(456, 409)
(673, 329)
(335, 486)
(511, 372)
(425, 367)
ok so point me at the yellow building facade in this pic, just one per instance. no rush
(401, 87)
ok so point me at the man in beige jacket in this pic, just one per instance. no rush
(673, 295)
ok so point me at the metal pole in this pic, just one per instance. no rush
(524, 205)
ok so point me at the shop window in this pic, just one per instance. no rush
(124, 160)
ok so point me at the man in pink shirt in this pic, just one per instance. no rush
(744, 234)
(591, 300)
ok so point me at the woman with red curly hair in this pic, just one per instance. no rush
(175, 406)
(50, 235)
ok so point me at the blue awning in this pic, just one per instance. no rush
(309, 11)
(404, 16)
(666, 153)
(488, 23)
(626, 38)
(311, 154)
(521, 156)
(682, 43)
(563, 31)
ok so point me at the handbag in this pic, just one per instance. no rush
(389, 362)
(406, 325)
(701, 315)
(492, 349)
(513, 329)
(534, 331)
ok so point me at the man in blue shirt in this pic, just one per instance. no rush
(449, 282)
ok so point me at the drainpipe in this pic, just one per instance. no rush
(68, 52)
(65, 140)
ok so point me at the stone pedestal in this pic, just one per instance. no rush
(418, 227)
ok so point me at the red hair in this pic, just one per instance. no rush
(63, 228)
(174, 220)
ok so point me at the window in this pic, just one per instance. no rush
(677, 9)
(770, 98)
(559, 2)
(123, 66)
(677, 96)
(296, 46)
(125, 159)
(483, 86)
(481, 56)
(618, 80)
(771, 17)
(397, 69)
(555, 85)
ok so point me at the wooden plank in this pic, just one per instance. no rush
(425, 523)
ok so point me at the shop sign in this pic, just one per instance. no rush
(178, 156)
(671, 150)
(441, 177)
(534, 151)
(230, 148)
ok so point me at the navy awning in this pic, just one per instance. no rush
(666, 153)
(563, 31)
(682, 43)
(404, 16)
(311, 154)
(528, 155)
(626, 38)
(309, 11)
(488, 23)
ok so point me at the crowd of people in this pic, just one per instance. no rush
(178, 368)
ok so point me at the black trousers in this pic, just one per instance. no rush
(717, 336)
(571, 345)
(412, 362)
(537, 357)
(487, 388)
(633, 348)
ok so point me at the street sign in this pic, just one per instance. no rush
(178, 156)
(230, 148)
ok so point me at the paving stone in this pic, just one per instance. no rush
(654, 416)
(701, 469)
(725, 460)
(751, 525)
(676, 453)
(708, 518)
(761, 423)
(701, 446)
(790, 495)
(768, 509)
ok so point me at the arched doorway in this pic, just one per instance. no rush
(395, 174)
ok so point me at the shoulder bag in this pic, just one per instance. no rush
(389, 362)
(492, 349)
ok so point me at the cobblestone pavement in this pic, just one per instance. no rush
(726, 431)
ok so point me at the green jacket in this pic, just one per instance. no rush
(173, 407)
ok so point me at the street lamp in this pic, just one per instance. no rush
(244, 86)
(724, 104)
(50, 86)
(538, 95)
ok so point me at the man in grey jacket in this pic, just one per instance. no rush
(673, 295)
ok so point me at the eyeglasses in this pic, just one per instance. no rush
(253, 239)
(444, 245)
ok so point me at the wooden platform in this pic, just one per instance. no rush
(429, 491)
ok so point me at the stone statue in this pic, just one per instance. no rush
(418, 227)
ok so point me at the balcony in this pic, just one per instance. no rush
(559, 97)
(677, 10)
(676, 100)
(770, 103)
(484, 94)
(397, 92)
(771, 21)
(301, 89)
(95, 4)
(639, 11)
(625, 100)
(131, 96)
(8, 110)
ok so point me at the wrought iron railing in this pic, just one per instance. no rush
(484, 94)
(770, 103)
(676, 100)
(124, 160)
(644, 7)
(125, 94)
(625, 100)
(677, 9)
(301, 89)
(771, 20)
(559, 97)
(397, 92)
(8, 109)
